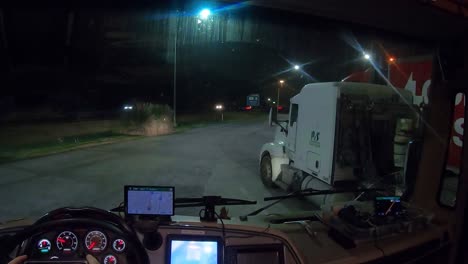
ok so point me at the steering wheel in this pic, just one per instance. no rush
(67, 217)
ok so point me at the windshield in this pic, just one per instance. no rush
(102, 98)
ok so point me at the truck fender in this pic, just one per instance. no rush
(275, 151)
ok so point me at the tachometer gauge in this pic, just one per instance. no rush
(95, 241)
(109, 259)
(118, 245)
(67, 241)
(44, 246)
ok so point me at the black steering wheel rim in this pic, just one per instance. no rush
(80, 216)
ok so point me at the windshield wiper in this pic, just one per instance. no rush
(302, 193)
(312, 192)
(209, 202)
(216, 200)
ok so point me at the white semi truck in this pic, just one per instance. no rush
(341, 135)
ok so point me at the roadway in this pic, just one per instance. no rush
(213, 160)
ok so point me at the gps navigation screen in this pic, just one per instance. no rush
(147, 200)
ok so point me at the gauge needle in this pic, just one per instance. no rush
(61, 240)
(389, 208)
(92, 245)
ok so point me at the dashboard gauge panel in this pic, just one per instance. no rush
(75, 242)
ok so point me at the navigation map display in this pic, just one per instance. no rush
(149, 200)
(192, 249)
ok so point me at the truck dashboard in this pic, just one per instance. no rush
(260, 239)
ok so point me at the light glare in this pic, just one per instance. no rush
(205, 13)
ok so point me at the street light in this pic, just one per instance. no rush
(205, 14)
(367, 56)
(269, 99)
(296, 67)
(391, 60)
(278, 99)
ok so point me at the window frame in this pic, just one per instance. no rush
(291, 122)
(447, 150)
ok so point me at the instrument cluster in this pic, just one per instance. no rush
(73, 244)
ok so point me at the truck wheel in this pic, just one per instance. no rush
(266, 171)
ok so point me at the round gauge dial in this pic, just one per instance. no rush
(44, 245)
(119, 245)
(67, 241)
(110, 259)
(96, 241)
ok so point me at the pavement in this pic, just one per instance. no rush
(213, 160)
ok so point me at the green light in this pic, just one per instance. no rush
(44, 250)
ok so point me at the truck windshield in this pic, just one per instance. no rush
(99, 98)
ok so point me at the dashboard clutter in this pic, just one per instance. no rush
(351, 226)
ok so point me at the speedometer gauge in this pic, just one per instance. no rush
(67, 241)
(95, 241)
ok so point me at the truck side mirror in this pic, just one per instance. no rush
(272, 117)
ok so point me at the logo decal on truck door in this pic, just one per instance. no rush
(315, 138)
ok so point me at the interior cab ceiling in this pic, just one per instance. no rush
(415, 18)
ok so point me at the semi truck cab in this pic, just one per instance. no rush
(341, 134)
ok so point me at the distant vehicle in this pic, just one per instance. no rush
(128, 107)
(283, 109)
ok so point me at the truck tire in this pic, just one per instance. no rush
(266, 171)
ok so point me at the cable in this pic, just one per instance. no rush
(440, 64)
(224, 233)
(223, 229)
(375, 239)
(120, 205)
(200, 213)
(321, 220)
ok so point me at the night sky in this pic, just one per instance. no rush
(99, 59)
